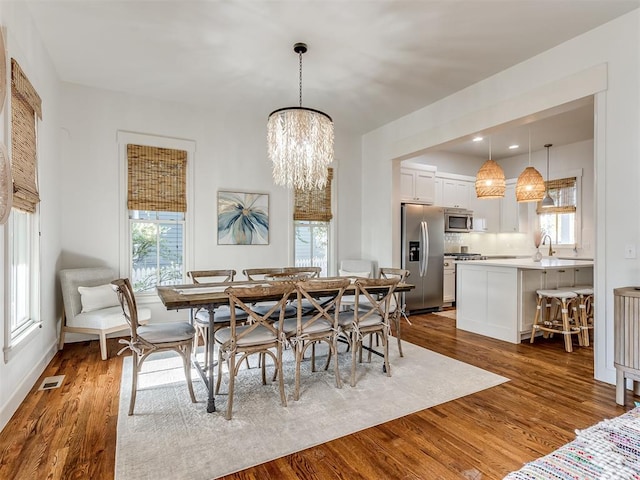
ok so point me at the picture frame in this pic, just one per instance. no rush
(243, 218)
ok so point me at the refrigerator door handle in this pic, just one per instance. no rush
(424, 239)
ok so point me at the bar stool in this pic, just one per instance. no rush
(584, 310)
(550, 322)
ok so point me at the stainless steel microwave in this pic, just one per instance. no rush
(458, 220)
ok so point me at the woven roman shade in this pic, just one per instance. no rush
(315, 204)
(156, 179)
(564, 192)
(25, 104)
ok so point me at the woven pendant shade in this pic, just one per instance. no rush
(530, 186)
(490, 181)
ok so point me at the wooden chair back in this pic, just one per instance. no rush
(323, 301)
(378, 293)
(211, 276)
(260, 273)
(128, 303)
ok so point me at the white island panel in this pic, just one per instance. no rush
(488, 308)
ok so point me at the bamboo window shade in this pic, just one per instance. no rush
(315, 204)
(25, 105)
(564, 194)
(156, 179)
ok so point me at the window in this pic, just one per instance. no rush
(312, 221)
(156, 202)
(23, 236)
(311, 245)
(157, 249)
(559, 221)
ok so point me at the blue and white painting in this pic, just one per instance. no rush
(243, 218)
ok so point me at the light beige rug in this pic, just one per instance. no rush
(168, 437)
(447, 313)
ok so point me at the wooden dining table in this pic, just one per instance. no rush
(211, 296)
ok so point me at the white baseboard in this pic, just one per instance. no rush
(23, 389)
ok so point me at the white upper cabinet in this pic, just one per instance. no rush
(455, 193)
(417, 185)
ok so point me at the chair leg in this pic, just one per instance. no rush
(103, 345)
(566, 327)
(385, 346)
(219, 376)
(232, 377)
(134, 380)
(398, 322)
(186, 357)
(536, 319)
(299, 352)
(334, 346)
(62, 332)
(354, 351)
(278, 366)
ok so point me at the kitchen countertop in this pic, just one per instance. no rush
(526, 263)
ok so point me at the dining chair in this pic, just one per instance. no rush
(273, 273)
(259, 335)
(152, 338)
(354, 269)
(221, 316)
(372, 318)
(319, 325)
(396, 309)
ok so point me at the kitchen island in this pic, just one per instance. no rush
(497, 297)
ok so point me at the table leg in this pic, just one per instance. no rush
(211, 402)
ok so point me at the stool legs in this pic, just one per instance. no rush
(549, 322)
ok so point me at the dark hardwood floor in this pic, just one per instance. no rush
(70, 432)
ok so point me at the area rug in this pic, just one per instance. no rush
(170, 437)
(608, 450)
(446, 313)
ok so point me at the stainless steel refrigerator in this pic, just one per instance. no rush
(423, 255)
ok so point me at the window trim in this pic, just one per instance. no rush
(123, 138)
(12, 345)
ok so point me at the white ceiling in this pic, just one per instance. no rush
(369, 62)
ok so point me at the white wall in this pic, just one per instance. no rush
(27, 362)
(230, 155)
(604, 62)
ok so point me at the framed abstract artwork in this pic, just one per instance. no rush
(243, 218)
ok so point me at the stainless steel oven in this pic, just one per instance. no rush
(458, 220)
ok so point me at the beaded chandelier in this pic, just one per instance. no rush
(300, 142)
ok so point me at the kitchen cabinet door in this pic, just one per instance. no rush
(583, 276)
(417, 186)
(455, 193)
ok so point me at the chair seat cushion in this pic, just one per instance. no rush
(166, 332)
(221, 315)
(106, 318)
(345, 319)
(290, 326)
(259, 336)
(263, 308)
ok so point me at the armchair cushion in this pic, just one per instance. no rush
(106, 318)
(96, 298)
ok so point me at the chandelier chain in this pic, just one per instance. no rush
(300, 69)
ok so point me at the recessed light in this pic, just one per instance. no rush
(513, 147)
(477, 139)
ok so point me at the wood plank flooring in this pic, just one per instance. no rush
(70, 432)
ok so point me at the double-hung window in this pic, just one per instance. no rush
(22, 231)
(559, 220)
(312, 224)
(156, 206)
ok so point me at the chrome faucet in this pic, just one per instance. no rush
(544, 242)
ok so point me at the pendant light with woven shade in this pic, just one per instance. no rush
(530, 185)
(490, 181)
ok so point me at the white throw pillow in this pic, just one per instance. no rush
(95, 298)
